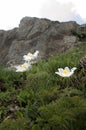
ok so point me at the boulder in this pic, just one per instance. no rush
(49, 37)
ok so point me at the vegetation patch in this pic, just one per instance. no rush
(39, 99)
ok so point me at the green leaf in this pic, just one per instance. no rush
(35, 127)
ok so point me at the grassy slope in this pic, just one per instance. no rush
(41, 100)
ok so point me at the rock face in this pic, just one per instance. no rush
(83, 63)
(49, 37)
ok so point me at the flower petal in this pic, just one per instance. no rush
(73, 69)
(66, 68)
(60, 70)
(58, 73)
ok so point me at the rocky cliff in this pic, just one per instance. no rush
(49, 37)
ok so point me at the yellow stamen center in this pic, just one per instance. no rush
(24, 67)
(65, 72)
(30, 55)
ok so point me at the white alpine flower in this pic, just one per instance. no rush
(23, 67)
(66, 72)
(31, 56)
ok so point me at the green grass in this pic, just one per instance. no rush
(40, 99)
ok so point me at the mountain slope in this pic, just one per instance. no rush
(41, 100)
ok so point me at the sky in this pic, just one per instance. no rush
(12, 11)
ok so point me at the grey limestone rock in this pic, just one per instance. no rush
(49, 37)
